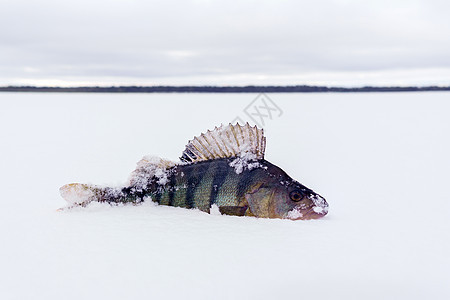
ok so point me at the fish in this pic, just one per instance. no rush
(223, 168)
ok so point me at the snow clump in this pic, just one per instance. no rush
(147, 168)
(245, 161)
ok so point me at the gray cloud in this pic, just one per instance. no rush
(150, 40)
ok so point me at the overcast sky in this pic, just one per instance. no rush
(331, 42)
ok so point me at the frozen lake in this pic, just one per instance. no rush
(381, 160)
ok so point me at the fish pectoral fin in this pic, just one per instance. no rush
(233, 210)
(249, 213)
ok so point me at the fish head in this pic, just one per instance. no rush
(300, 203)
(276, 195)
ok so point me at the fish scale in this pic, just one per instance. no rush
(227, 193)
(180, 189)
(218, 180)
(202, 192)
(201, 184)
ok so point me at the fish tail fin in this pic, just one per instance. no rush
(78, 194)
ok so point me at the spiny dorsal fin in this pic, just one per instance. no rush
(225, 142)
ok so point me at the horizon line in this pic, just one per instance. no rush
(219, 89)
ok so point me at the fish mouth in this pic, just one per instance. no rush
(315, 212)
(319, 209)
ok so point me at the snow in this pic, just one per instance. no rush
(381, 160)
(76, 194)
(318, 209)
(245, 161)
(215, 210)
(294, 214)
(148, 167)
(321, 206)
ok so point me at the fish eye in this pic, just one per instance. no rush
(296, 195)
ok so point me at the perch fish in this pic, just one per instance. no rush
(225, 168)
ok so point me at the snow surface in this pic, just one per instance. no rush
(381, 160)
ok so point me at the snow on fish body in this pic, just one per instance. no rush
(224, 167)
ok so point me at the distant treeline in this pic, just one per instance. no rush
(220, 89)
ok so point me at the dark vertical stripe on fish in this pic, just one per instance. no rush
(172, 189)
(125, 191)
(245, 181)
(219, 178)
(157, 197)
(194, 178)
(181, 186)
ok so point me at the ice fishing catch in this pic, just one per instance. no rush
(223, 167)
